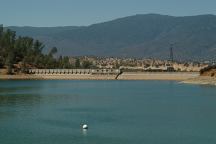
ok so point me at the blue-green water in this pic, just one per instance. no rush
(117, 112)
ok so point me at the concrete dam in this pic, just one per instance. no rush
(74, 74)
(75, 71)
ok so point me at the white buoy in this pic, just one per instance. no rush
(85, 126)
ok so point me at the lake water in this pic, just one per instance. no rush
(117, 112)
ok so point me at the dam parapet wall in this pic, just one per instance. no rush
(75, 71)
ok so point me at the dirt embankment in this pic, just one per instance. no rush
(3, 71)
(207, 77)
(201, 80)
(210, 73)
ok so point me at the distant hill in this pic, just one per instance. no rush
(149, 35)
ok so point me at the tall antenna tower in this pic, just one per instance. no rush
(171, 53)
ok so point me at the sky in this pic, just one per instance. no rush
(48, 13)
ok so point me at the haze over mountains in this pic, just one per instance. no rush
(150, 35)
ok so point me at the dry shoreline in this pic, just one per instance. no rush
(174, 76)
(201, 80)
(182, 77)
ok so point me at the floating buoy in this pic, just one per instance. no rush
(85, 126)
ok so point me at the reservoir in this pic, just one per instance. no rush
(117, 112)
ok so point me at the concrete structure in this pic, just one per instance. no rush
(75, 71)
(105, 71)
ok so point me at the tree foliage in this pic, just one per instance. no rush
(26, 53)
(86, 64)
(77, 63)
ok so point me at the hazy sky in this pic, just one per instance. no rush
(86, 12)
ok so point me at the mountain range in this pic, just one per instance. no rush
(144, 35)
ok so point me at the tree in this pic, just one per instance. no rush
(23, 66)
(53, 51)
(1, 58)
(77, 63)
(86, 64)
(23, 49)
(27, 53)
(66, 63)
(60, 62)
(38, 47)
(1, 30)
(9, 63)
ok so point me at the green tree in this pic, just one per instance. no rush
(37, 47)
(9, 63)
(1, 57)
(77, 63)
(86, 64)
(23, 66)
(1, 30)
(60, 62)
(8, 40)
(53, 51)
(27, 53)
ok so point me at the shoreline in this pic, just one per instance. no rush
(172, 76)
(201, 80)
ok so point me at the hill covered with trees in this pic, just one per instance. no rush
(146, 36)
